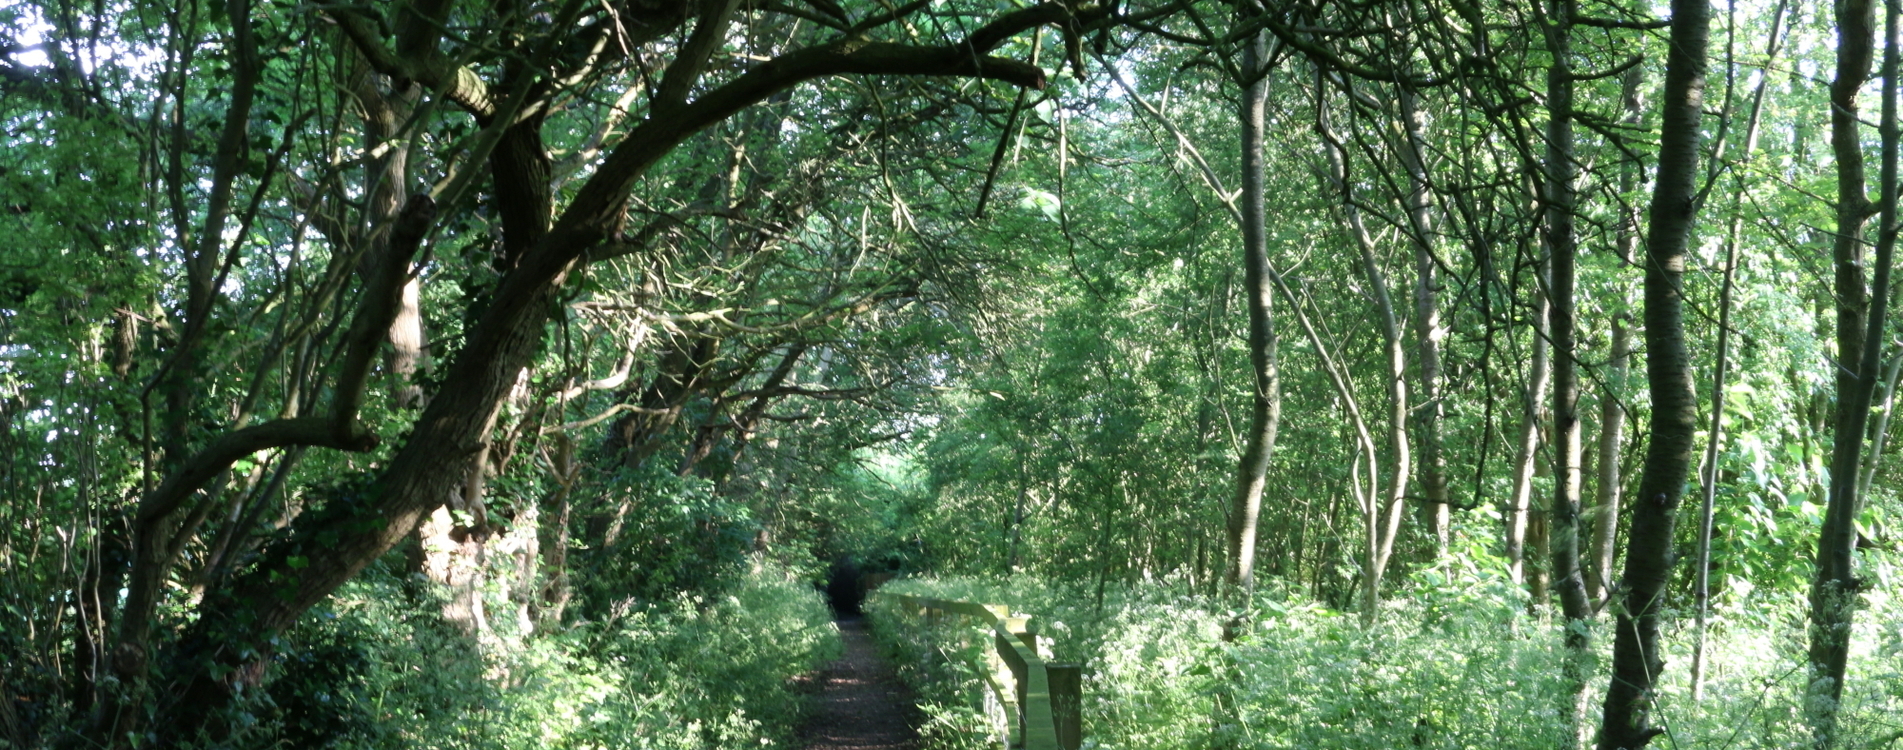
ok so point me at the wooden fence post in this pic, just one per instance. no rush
(1067, 703)
(1042, 702)
(1003, 652)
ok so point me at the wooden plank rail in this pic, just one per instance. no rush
(1043, 702)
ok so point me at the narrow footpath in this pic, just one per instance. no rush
(861, 703)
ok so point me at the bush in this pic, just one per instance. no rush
(934, 662)
(378, 667)
(1455, 662)
(679, 535)
(712, 671)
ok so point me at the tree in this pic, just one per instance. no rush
(1636, 662)
(511, 82)
(1561, 242)
(1265, 413)
(1860, 324)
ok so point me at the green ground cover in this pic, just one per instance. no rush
(1450, 665)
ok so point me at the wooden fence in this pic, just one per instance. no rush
(1042, 702)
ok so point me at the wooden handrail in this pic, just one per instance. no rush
(1029, 699)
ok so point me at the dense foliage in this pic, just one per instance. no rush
(1455, 663)
(371, 669)
(434, 373)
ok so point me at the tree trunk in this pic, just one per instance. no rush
(1436, 513)
(227, 648)
(1265, 415)
(1016, 537)
(555, 591)
(1636, 663)
(1834, 593)
(1539, 551)
(1400, 465)
(1562, 243)
(1381, 510)
(407, 346)
(1881, 432)
(164, 520)
(1605, 512)
(1612, 411)
(1526, 459)
(385, 117)
(454, 558)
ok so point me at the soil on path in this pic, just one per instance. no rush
(861, 703)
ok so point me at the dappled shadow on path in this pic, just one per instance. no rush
(861, 705)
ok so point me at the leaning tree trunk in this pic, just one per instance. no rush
(1605, 512)
(1390, 506)
(1636, 665)
(1860, 321)
(1879, 433)
(1708, 495)
(1247, 206)
(1526, 460)
(1605, 530)
(1381, 507)
(385, 116)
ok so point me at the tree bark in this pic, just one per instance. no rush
(1605, 512)
(1265, 414)
(384, 118)
(1562, 243)
(159, 530)
(1835, 591)
(1533, 413)
(1880, 433)
(407, 345)
(1636, 662)
(1381, 510)
(1612, 411)
(1437, 512)
(1708, 495)
(552, 600)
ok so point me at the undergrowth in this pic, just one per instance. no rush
(1454, 662)
(378, 667)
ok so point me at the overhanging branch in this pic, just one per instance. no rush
(598, 205)
(458, 83)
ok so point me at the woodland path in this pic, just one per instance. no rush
(861, 703)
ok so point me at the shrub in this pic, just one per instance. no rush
(378, 667)
(1454, 662)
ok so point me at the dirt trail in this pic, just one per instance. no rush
(861, 703)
